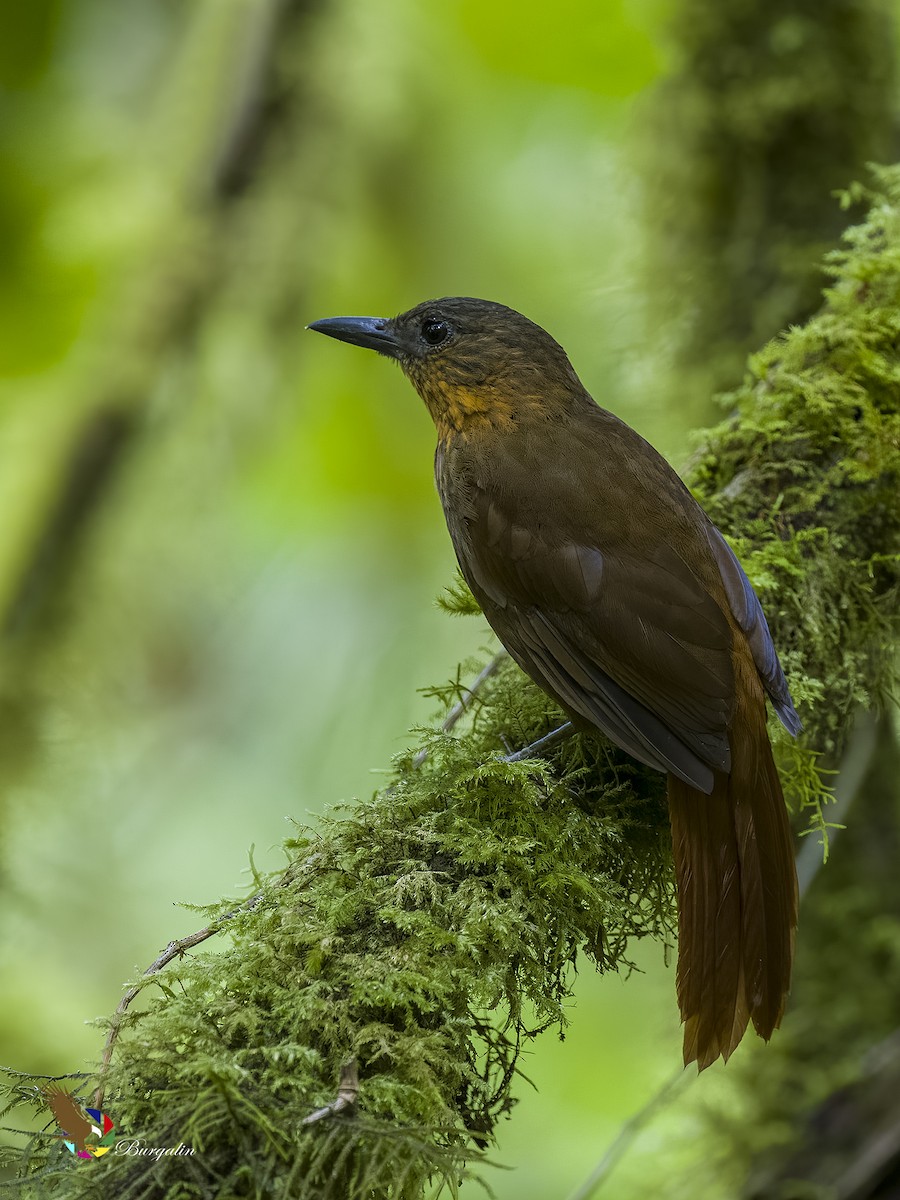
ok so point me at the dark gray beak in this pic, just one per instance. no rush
(375, 333)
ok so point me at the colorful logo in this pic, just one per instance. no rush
(86, 1132)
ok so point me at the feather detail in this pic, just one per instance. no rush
(737, 889)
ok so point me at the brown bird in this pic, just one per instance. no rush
(69, 1115)
(613, 590)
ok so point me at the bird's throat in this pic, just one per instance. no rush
(461, 412)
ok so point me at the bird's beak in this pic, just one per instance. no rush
(375, 333)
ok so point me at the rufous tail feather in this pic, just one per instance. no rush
(737, 891)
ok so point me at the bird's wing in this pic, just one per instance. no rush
(749, 615)
(634, 644)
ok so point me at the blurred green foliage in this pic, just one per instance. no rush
(222, 613)
(611, 51)
(768, 109)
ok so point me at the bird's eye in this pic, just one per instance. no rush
(435, 331)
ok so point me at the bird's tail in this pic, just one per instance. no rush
(737, 893)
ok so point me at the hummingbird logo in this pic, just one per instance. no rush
(85, 1132)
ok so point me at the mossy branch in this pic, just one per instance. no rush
(431, 931)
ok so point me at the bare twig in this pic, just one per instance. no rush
(629, 1132)
(464, 702)
(173, 950)
(532, 751)
(8, 1071)
(345, 1100)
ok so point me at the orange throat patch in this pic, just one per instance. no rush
(459, 412)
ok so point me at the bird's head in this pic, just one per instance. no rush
(476, 364)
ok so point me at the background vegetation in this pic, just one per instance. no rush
(220, 539)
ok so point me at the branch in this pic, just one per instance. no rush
(345, 1101)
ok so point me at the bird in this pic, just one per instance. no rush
(70, 1117)
(610, 586)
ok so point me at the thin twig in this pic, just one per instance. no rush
(174, 950)
(628, 1132)
(555, 735)
(345, 1101)
(464, 702)
(8, 1071)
